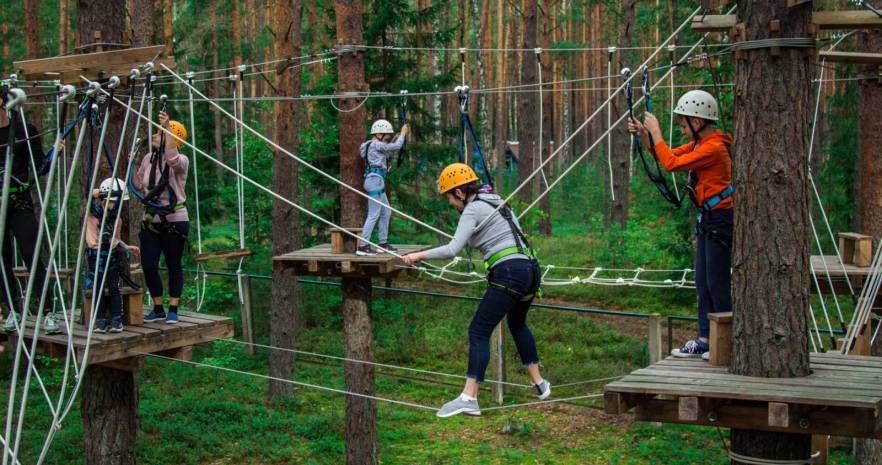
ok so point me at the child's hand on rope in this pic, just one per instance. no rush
(163, 119)
(134, 250)
(650, 123)
(635, 127)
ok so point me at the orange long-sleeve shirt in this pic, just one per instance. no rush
(710, 162)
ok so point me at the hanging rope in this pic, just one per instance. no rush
(200, 278)
(541, 147)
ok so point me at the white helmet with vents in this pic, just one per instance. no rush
(381, 126)
(699, 104)
(113, 188)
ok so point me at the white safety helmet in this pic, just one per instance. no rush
(699, 104)
(381, 126)
(113, 188)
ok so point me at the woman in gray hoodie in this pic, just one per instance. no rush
(513, 275)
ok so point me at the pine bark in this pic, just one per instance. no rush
(141, 14)
(216, 89)
(286, 26)
(499, 112)
(361, 413)
(7, 40)
(350, 78)
(32, 28)
(528, 104)
(63, 27)
(236, 29)
(869, 211)
(621, 139)
(110, 416)
(771, 242)
(168, 9)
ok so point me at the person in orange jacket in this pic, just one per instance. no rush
(708, 163)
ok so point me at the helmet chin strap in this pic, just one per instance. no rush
(695, 137)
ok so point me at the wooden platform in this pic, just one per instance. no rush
(320, 261)
(97, 65)
(193, 328)
(842, 397)
(856, 274)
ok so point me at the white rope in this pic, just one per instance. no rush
(199, 284)
(367, 362)
(360, 104)
(585, 124)
(576, 162)
(296, 383)
(671, 49)
(864, 307)
(542, 402)
(307, 164)
(759, 461)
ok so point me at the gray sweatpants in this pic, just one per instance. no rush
(374, 183)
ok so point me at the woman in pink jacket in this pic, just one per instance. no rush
(162, 178)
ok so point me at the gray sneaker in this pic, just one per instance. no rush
(9, 326)
(543, 389)
(457, 406)
(50, 324)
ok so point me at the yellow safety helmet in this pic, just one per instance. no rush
(178, 130)
(455, 175)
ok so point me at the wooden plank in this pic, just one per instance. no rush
(157, 344)
(713, 23)
(89, 60)
(687, 408)
(854, 19)
(664, 376)
(855, 58)
(821, 444)
(238, 253)
(779, 414)
(746, 392)
(840, 421)
(655, 338)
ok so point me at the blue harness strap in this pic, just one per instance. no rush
(376, 193)
(712, 202)
(375, 170)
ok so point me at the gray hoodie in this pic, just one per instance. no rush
(378, 153)
(493, 236)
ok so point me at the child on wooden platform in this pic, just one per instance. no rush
(101, 253)
(708, 163)
(376, 153)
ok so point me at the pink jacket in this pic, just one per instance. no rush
(178, 165)
(92, 224)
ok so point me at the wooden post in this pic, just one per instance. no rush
(655, 340)
(499, 365)
(245, 309)
(720, 338)
(361, 426)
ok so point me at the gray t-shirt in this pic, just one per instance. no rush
(378, 152)
(493, 236)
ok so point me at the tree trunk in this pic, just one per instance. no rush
(140, 22)
(286, 27)
(168, 11)
(350, 78)
(35, 113)
(7, 40)
(528, 105)
(361, 413)
(771, 251)
(621, 139)
(63, 27)
(869, 211)
(236, 30)
(109, 409)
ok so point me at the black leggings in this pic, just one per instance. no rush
(21, 223)
(171, 244)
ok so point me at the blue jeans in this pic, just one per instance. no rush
(510, 282)
(713, 266)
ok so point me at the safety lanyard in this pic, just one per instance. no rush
(656, 176)
(521, 242)
(149, 198)
(467, 130)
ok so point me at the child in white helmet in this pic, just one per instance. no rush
(102, 246)
(376, 153)
(706, 158)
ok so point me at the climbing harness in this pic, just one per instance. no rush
(403, 151)
(655, 176)
(522, 247)
(467, 130)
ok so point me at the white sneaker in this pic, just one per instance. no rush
(11, 319)
(543, 389)
(50, 324)
(459, 405)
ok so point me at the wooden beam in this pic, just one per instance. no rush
(779, 415)
(856, 58)
(687, 408)
(713, 23)
(846, 19)
(823, 19)
(99, 65)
